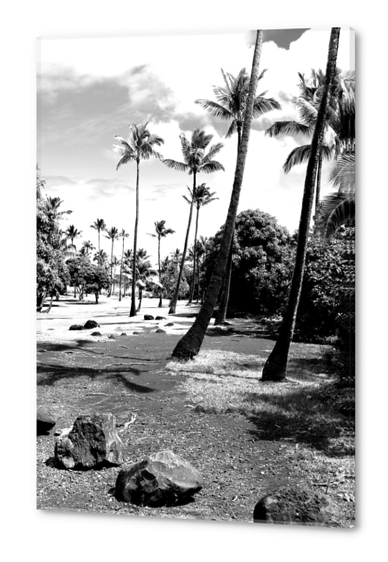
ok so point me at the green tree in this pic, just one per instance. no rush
(195, 161)
(202, 198)
(140, 146)
(191, 342)
(230, 106)
(87, 248)
(100, 226)
(72, 233)
(161, 232)
(112, 234)
(275, 368)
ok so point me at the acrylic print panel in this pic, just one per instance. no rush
(160, 390)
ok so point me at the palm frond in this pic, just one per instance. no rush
(336, 210)
(211, 167)
(215, 149)
(264, 105)
(215, 109)
(343, 174)
(179, 166)
(289, 128)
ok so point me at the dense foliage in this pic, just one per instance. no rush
(89, 278)
(262, 263)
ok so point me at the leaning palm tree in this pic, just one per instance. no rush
(100, 226)
(112, 234)
(202, 198)
(275, 368)
(230, 106)
(140, 146)
(195, 161)
(122, 235)
(161, 232)
(191, 342)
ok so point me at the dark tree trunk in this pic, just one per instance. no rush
(223, 309)
(174, 299)
(275, 368)
(160, 276)
(194, 257)
(191, 342)
(133, 296)
(140, 299)
(96, 294)
(121, 271)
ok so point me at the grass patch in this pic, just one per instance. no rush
(299, 409)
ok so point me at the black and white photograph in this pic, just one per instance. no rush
(195, 276)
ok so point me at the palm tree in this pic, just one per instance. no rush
(191, 342)
(230, 106)
(145, 273)
(202, 198)
(195, 161)
(275, 368)
(140, 146)
(112, 234)
(72, 233)
(101, 258)
(99, 225)
(161, 232)
(87, 248)
(122, 235)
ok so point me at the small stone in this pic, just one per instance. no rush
(123, 334)
(111, 337)
(76, 327)
(45, 421)
(160, 331)
(91, 324)
(148, 317)
(170, 324)
(95, 334)
(160, 318)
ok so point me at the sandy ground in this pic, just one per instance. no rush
(113, 318)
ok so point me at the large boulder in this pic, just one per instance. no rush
(90, 324)
(163, 479)
(45, 421)
(298, 506)
(92, 442)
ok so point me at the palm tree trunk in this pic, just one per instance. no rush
(99, 254)
(111, 270)
(176, 294)
(133, 296)
(318, 191)
(223, 309)
(194, 256)
(140, 299)
(275, 368)
(121, 271)
(191, 342)
(161, 288)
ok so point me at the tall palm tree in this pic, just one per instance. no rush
(195, 161)
(140, 146)
(230, 106)
(100, 226)
(191, 342)
(101, 258)
(87, 248)
(202, 198)
(72, 233)
(112, 234)
(145, 273)
(122, 235)
(161, 232)
(275, 368)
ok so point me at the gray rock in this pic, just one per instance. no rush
(148, 317)
(162, 479)
(92, 442)
(170, 324)
(91, 324)
(76, 327)
(298, 506)
(95, 334)
(123, 334)
(45, 421)
(160, 318)
(160, 331)
(111, 337)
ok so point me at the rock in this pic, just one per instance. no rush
(294, 506)
(170, 324)
(92, 442)
(45, 421)
(123, 334)
(148, 317)
(91, 324)
(95, 334)
(137, 333)
(162, 479)
(160, 331)
(111, 337)
(76, 327)
(160, 318)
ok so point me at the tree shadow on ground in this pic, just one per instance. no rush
(300, 416)
(49, 375)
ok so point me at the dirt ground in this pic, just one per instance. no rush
(123, 372)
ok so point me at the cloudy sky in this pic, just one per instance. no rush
(89, 90)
